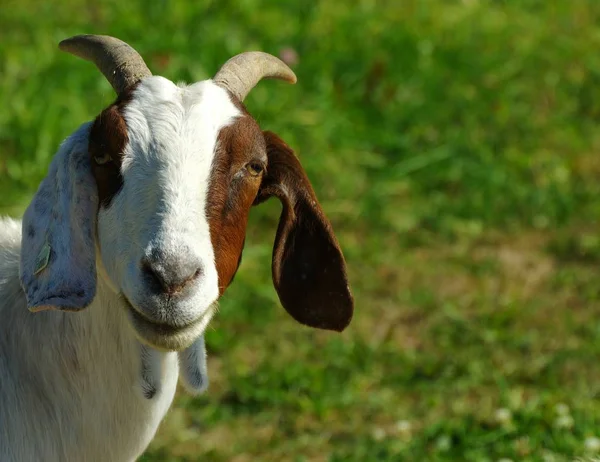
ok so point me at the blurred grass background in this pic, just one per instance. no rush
(454, 146)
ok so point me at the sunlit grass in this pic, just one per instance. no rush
(453, 144)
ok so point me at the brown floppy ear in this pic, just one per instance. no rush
(309, 271)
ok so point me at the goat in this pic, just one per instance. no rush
(110, 279)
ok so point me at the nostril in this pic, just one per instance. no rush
(153, 275)
(197, 273)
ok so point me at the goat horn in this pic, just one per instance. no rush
(120, 64)
(241, 73)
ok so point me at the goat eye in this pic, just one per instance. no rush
(254, 168)
(102, 159)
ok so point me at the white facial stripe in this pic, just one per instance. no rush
(173, 131)
(172, 124)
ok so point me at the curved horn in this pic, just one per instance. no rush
(241, 73)
(120, 64)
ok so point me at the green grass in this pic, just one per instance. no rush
(453, 144)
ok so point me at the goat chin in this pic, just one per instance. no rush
(165, 337)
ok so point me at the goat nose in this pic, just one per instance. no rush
(171, 277)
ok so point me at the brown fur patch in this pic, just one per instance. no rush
(108, 135)
(231, 192)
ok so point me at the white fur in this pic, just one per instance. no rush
(81, 386)
(192, 367)
(70, 384)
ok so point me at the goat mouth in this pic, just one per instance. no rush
(162, 336)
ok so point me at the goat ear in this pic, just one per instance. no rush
(309, 271)
(58, 253)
